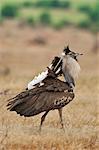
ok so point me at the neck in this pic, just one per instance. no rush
(70, 67)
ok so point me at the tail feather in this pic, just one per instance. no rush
(35, 107)
(27, 105)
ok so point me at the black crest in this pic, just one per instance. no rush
(66, 50)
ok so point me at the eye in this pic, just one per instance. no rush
(70, 53)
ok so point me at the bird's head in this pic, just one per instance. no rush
(68, 52)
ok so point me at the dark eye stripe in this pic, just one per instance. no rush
(70, 53)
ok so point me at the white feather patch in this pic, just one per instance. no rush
(37, 79)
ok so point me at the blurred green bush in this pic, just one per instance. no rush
(60, 24)
(27, 4)
(30, 21)
(9, 10)
(84, 23)
(94, 12)
(48, 3)
(45, 18)
(85, 8)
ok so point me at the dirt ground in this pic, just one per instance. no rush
(24, 52)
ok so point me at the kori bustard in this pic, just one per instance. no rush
(46, 92)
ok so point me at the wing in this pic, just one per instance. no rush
(55, 69)
(53, 94)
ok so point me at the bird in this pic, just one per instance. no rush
(47, 92)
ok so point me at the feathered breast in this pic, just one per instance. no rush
(72, 66)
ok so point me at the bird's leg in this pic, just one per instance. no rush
(42, 119)
(61, 119)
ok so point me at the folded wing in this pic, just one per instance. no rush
(53, 94)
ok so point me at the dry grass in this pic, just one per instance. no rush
(24, 59)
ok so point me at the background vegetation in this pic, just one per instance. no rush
(55, 13)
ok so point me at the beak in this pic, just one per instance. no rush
(77, 54)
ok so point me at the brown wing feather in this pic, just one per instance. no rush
(53, 94)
